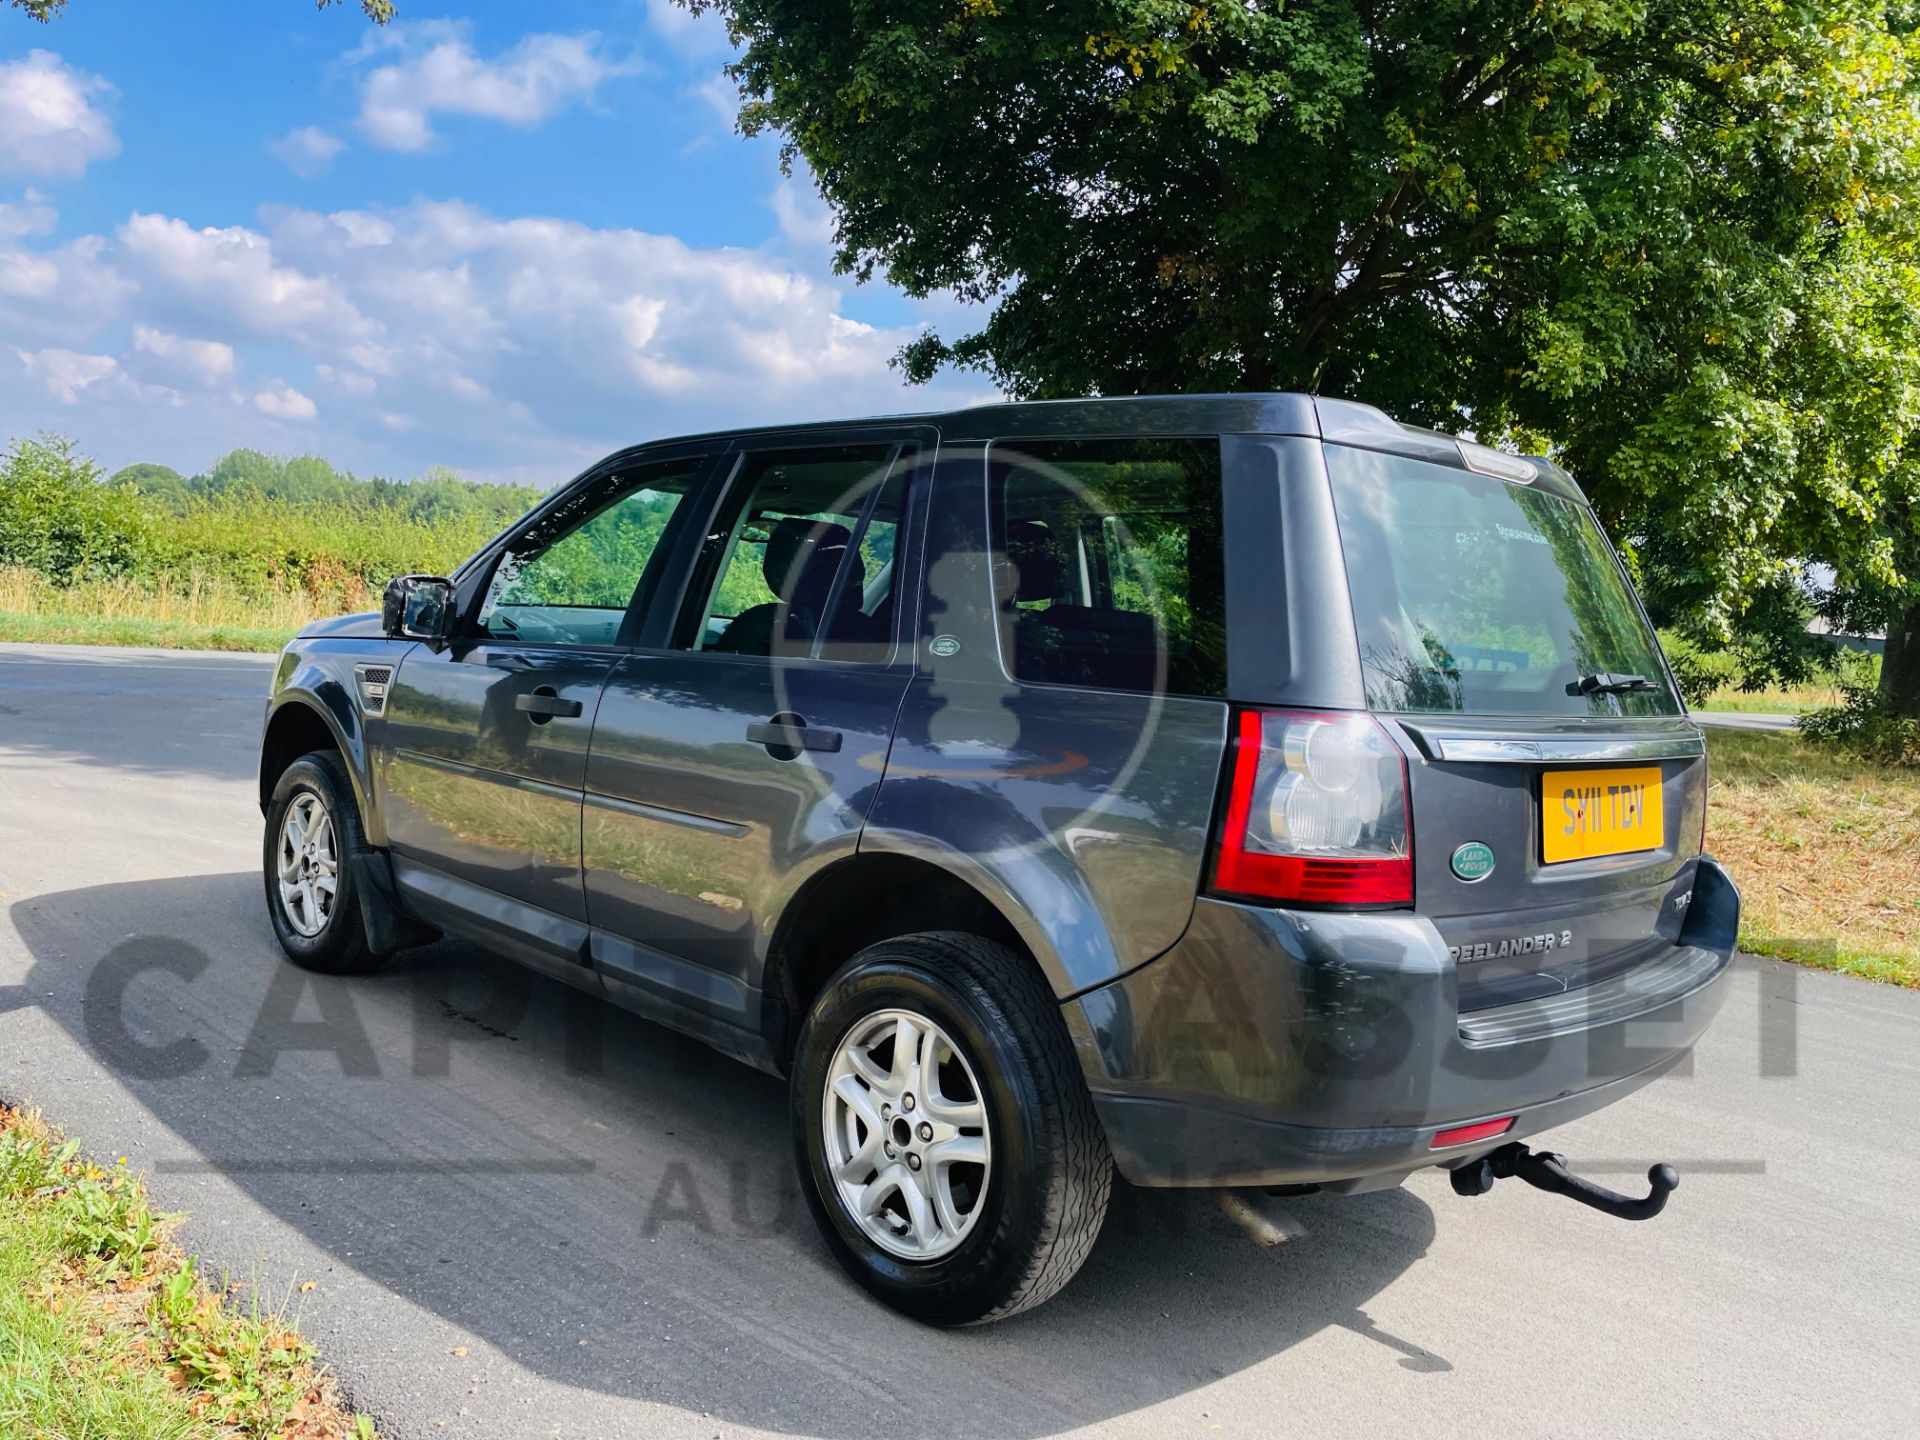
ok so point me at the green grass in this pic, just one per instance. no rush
(127, 630)
(1825, 849)
(109, 1332)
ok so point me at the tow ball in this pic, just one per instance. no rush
(1545, 1171)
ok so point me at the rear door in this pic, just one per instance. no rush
(1558, 814)
(485, 749)
(739, 748)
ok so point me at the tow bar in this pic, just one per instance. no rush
(1545, 1171)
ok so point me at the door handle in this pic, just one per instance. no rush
(792, 734)
(543, 705)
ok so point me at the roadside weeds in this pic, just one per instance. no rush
(108, 1328)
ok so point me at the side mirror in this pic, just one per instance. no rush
(418, 607)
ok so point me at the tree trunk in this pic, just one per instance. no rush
(1900, 670)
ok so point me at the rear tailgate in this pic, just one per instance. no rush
(1557, 788)
(1495, 804)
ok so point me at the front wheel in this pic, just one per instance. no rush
(313, 837)
(947, 1143)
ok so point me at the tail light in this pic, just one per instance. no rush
(1316, 812)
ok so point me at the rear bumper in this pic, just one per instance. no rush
(1274, 1047)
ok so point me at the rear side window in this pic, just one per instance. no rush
(1477, 595)
(1108, 561)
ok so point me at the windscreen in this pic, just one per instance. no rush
(1477, 595)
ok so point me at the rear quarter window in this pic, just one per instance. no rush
(1480, 595)
(1108, 563)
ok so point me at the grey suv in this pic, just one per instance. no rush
(1230, 791)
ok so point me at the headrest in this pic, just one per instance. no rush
(799, 547)
(1039, 566)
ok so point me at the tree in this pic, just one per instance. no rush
(1671, 240)
(378, 11)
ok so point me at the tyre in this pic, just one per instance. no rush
(946, 1141)
(312, 838)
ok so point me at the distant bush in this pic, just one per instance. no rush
(1859, 723)
(1698, 672)
(252, 525)
(56, 518)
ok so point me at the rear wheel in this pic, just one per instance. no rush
(313, 837)
(948, 1146)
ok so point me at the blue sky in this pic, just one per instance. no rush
(507, 238)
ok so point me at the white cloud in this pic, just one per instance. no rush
(698, 37)
(721, 96)
(434, 333)
(229, 276)
(48, 124)
(65, 373)
(805, 218)
(29, 215)
(538, 77)
(307, 151)
(204, 361)
(283, 402)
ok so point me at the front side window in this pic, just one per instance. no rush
(802, 562)
(571, 577)
(1109, 559)
(1485, 596)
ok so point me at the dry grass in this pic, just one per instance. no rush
(1826, 850)
(1774, 699)
(190, 611)
(181, 599)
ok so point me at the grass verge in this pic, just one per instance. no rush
(109, 1331)
(1825, 849)
(177, 612)
(153, 634)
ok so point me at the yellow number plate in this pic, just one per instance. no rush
(1600, 812)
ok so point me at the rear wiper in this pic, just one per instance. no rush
(1606, 683)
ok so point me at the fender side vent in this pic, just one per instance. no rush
(373, 686)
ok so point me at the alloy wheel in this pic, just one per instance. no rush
(907, 1142)
(309, 866)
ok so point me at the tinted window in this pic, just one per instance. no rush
(570, 578)
(801, 562)
(1476, 594)
(1109, 559)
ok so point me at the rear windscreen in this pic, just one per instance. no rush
(1475, 594)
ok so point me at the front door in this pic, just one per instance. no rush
(744, 749)
(486, 739)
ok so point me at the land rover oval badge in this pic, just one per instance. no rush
(1473, 861)
(944, 645)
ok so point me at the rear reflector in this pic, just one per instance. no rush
(1467, 1134)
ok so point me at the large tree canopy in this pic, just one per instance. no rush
(1671, 239)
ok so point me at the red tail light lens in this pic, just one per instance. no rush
(1316, 812)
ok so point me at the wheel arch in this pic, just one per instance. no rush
(302, 721)
(856, 902)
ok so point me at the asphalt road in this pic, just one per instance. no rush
(604, 1217)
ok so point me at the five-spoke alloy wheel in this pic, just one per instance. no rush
(906, 1134)
(313, 840)
(309, 866)
(947, 1143)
